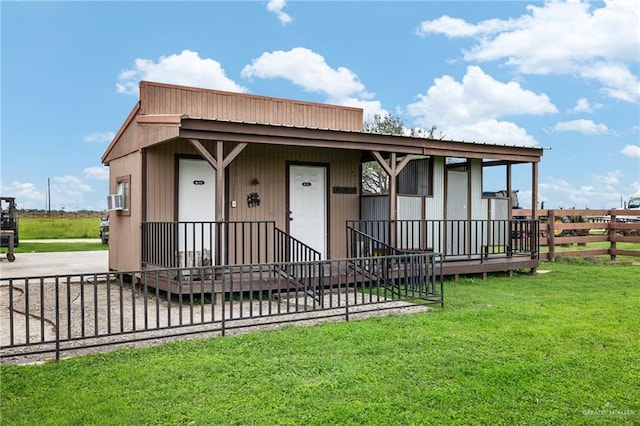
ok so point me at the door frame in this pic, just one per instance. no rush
(327, 207)
(217, 253)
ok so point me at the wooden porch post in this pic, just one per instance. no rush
(509, 189)
(393, 169)
(219, 182)
(219, 163)
(534, 191)
(534, 203)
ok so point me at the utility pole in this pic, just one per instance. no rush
(49, 197)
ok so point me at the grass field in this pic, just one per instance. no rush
(556, 348)
(57, 247)
(56, 228)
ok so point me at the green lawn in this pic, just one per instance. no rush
(557, 348)
(57, 227)
(26, 247)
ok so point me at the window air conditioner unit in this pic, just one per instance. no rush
(115, 202)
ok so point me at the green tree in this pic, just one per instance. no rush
(374, 179)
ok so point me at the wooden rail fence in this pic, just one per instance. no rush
(565, 227)
(58, 214)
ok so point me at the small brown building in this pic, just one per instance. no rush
(198, 173)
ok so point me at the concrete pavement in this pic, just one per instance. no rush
(64, 240)
(61, 263)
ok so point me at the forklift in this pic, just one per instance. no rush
(9, 228)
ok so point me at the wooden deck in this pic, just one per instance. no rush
(489, 265)
(244, 280)
(269, 281)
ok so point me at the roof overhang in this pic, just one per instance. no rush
(203, 129)
(255, 133)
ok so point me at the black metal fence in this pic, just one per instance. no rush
(53, 314)
(454, 239)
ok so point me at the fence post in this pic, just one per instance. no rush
(223, 324)
(612, 235)
(551, 235)
(57, 284)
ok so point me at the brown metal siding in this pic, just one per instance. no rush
(151, 134)
(202, 103)
(125, 236)
(161, 183)
(161, 177)
(127, 143)
(268, 164)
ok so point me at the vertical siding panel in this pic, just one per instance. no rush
(435, 204)
(477, 212)
(343, 171)
(158, 100)
(124, 244)
(175, 100)
(165, 99)
(408, 234)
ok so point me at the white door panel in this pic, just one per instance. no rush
(308, 205)
(196, 203)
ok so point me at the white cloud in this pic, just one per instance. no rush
(27, 195)
(611, 178)
(456, 27)
(70, 184)
(617, 80)
(582, 105)
(306, 69)
(96, 173)
(587, 127)
(370, 108)
(277, 6)
(99, 137)
(185, 68)
(469, 110)
(68, 192)
(65, 191)
(631, 151)
(310, 71)
(605, 192)
(572, 38)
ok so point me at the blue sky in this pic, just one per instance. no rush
(560, 75)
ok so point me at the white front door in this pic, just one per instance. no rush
(308, 206)
(196, 203)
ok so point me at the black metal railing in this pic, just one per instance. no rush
(295, 261)
(53, 314)
(194, 244)
(389, 264)
(362, 244)
(454, 239)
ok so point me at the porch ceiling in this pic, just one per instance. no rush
(229, 131)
